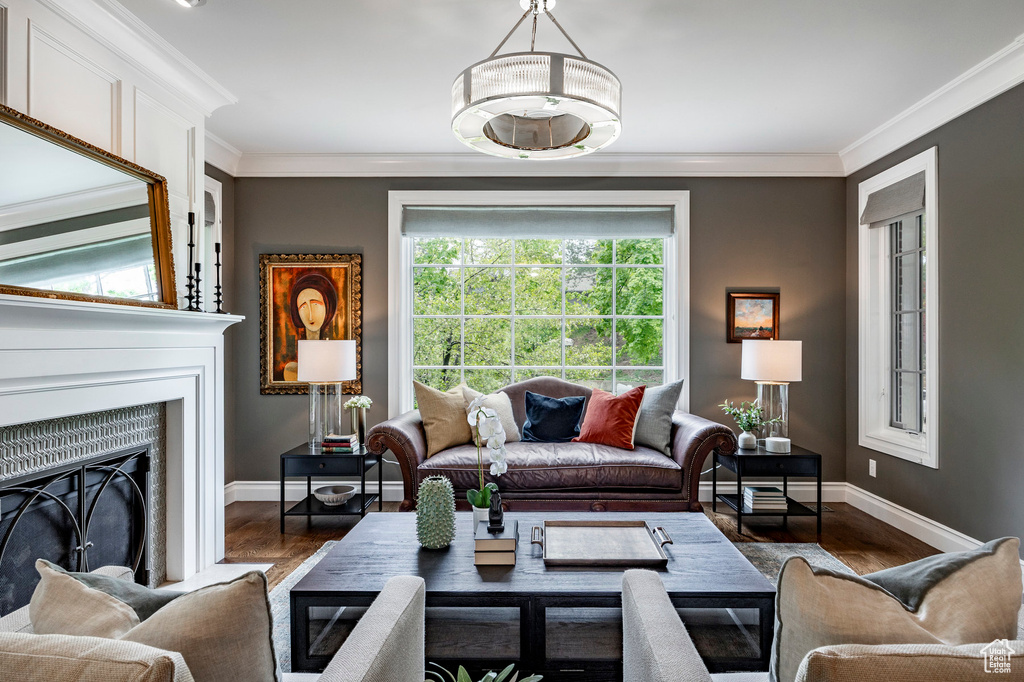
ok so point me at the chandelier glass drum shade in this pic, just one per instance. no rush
(536, 105)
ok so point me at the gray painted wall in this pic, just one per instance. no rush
(786, 234)
(977, 487)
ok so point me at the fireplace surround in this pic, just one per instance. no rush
(60, 358)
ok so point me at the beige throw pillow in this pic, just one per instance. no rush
(46, 658)
(62, 605)
(224, 632)
(444, 417)
(500, 403)
(951, 599)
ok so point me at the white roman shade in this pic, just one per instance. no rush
(899, 198)
(539, 222)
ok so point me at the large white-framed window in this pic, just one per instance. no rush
(592, 291)
(898, 311)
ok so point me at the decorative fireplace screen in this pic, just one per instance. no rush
(79, 516)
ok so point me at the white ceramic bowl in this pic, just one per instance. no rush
(334, 495)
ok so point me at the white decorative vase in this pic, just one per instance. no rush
(479, 515)
(747, 441)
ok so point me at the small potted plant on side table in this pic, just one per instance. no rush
(749, 417)
(359, 405)
(487, 430)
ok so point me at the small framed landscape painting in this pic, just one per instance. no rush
(751, 316)
(312, 297)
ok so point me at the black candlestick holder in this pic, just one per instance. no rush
(192, 281)
(199, 294)
(217, 297)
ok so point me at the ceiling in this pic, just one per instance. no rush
(699, 76)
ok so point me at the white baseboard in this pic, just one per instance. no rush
(270, 491)
(910, 522)
(801, 491)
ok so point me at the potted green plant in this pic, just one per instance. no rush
(463, 676)
(749, 417)
(487, 431)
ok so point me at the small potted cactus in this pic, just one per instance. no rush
(435, 512)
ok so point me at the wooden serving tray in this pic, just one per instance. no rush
(601, 543)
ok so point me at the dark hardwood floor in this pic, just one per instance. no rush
(862, 542)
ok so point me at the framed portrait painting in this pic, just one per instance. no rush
(307, 297)
(751, 316)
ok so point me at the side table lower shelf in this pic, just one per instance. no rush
(310, 506)
(794, 508)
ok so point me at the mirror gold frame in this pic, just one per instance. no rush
(159, 213)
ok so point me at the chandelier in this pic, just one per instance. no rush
(536, 105)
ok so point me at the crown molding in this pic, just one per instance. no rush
(120, 31)
(478, 165)
(222, 154)
(990, 78)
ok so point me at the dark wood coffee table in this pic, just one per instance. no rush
(704, 571)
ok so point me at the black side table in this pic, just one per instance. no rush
(761, 463)
(299, 462)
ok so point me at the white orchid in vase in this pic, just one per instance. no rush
(490, 433)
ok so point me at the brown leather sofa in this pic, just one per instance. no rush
(563, 476)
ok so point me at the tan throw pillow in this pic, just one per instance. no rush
(951, 599)
(224, 632)
(500, 403)
(45, 658)
(444, 417)
(62, 605)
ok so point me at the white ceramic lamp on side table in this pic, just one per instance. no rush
(773, 365)
(325, 364)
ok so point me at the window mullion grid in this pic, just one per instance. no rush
(615, 312)
(462, 311)
(512, 322)
(562, 323)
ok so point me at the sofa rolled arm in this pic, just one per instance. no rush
(693, 439)
(404, 436)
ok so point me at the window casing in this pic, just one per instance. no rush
(563, 318)
(898, 305)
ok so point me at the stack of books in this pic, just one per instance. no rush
(496, 549)
(757, 498)
(334, 443)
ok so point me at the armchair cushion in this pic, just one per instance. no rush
(976, 600)
(63, 605)
(904, 662)
(141, 599)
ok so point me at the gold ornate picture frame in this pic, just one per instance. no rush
(307, 296)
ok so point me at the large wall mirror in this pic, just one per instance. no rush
(79, 223)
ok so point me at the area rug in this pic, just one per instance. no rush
(767, 557)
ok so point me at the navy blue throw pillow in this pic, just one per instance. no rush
(552, 420)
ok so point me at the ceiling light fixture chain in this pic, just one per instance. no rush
(536, 104)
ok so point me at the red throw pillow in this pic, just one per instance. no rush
(611, 419)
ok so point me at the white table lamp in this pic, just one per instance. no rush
(325, 364)
(773, 365)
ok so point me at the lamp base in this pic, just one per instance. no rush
(325, 401)
(773, 397)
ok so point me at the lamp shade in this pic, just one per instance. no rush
(327, 361)
(771, 360)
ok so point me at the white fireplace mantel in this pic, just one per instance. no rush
(61, 358)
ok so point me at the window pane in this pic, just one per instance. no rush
(488, 342)
(437, 251)
(538, 291)
(639, 251)
(908, 334)
(907, 407)
(908, 294)
(639, 291)
(435, 291)
(437, 341)
(588, 342)
(488, 251)
(441, 379)
(631, 378)
(524, 373)
(588, 291)
(488, 380)
(539, 342)
(538, 251)
(587, 251)
(639, 342)
(593, 378)
(488, 291)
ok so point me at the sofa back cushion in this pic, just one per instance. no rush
(552, 420)
(611, 419)
(549, 386)
(445, 421)
(46, 658)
